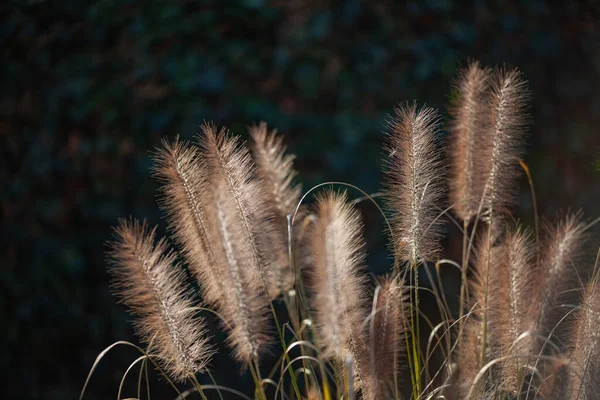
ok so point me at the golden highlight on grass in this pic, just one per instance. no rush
(524, 327)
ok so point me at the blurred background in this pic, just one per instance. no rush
(89, 88)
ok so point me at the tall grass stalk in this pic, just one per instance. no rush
(252, 242)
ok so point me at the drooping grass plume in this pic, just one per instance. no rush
(557, 279)
(241, 224)
(414, 183)
(275, 169)
(337, 287)
(467, 129)
(387, 345)
(516, 273)
(239, 196)
(206, 198)
(151, 284)
(503, 145)
(183, 177)
(585, 352)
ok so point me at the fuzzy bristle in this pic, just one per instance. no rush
(484, 324)
(276, 168)
(152, 286)
(466, 130)
(517, 275)
(204, 213)
(557, 278)
(183, 177)
(276, 172)
(528, 313)
(490, 288)
(585, 353)
(468, 362)
(504, 141)
(338, 288)
(414, 183)
(386, 339)
(239, 226)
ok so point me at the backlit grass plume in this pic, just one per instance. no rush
(276, 168)
(276, 171)
(240, 225)
(338, 288)
(387, 349)
(183, 176)
(467, 133)
(518, 327)
(152, 285)
(414, 183)
(216, 225)
(517, 274)
(503, 144)
(484, 325)
(585, 353)
(557, 280)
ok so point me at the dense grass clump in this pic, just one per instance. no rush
(529, 305)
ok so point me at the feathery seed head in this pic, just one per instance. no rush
(338, 289)
(214, 210)
(151, 284)
(276, 168)
(517, 274)
(467, 129)
(276, 173)
(485, 303)
(558, 274)
(503, 145)
(468, 363)
(183, 176)
(232, 179)
(585, 351)
(238, 225)
(414, 183)
(386, 338)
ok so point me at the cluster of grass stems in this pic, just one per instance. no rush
(527, 324)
